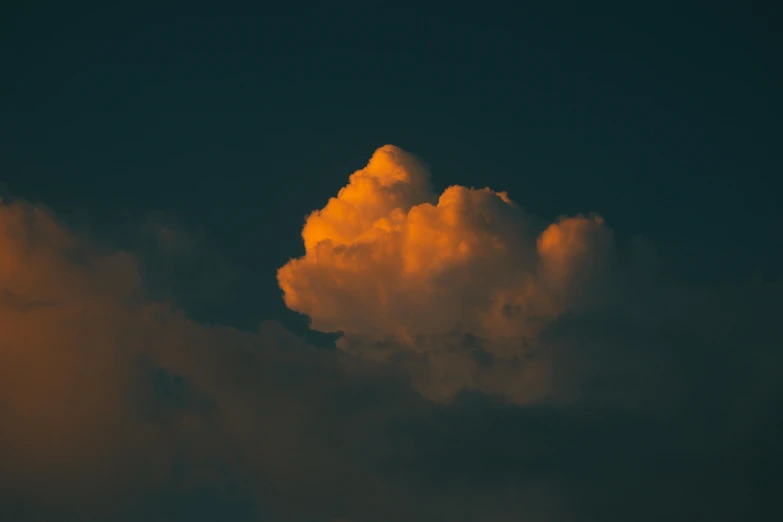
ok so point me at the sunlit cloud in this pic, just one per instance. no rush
(389, 263)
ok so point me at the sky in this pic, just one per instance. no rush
(370, 263)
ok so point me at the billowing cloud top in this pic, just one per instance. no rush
(387, 261)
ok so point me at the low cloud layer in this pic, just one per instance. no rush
(493, 368)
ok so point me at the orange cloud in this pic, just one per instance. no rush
(111, 401)
(387, 260)
(66, 315)
(83, 435)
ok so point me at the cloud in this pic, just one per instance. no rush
(116, 405)
(63, 370)
(466, 291)
(394, 267)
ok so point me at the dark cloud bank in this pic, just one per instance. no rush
(635, 398)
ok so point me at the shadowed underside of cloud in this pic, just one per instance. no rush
(494, 368)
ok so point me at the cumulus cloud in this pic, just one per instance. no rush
(466, 291)
(444, 278)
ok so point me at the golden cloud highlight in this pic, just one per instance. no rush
(387, 263)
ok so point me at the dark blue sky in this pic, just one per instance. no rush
(241, 121)
(227, 125)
